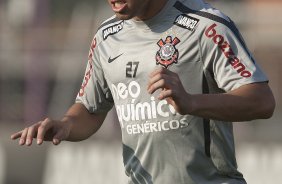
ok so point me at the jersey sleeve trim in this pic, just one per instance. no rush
(228, 23)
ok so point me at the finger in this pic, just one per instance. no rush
(23, 137)
(159, 74)
(160, 84)
(160, 70)
(30, 135)
(165, 94)
(42, 129)
(16, 135)
(167, 79)
(156, 77)
(56, 141)
(58, 137)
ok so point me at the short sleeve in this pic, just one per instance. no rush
(226, 55)
(94, 93)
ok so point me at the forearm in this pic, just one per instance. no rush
(82, 123)
(244, 104)
(224, 107)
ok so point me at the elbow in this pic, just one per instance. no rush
(267, 107)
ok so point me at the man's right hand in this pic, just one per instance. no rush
(46, 130)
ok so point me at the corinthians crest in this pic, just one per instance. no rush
(168, 54)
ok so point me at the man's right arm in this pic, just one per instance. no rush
(84, 124)
(85, 117)
(77, 125)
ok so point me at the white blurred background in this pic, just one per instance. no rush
(43, 52)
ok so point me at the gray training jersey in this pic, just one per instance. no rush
(205, 49)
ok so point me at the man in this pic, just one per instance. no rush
(178, 73)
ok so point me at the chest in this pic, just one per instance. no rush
(132, 56)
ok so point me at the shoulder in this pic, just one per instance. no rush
(109, 27)
(212, 23)
(206, 14)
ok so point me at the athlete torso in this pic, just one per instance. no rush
(159, 145)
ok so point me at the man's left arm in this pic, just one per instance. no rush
(248, 102)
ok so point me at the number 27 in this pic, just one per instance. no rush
(131, 69)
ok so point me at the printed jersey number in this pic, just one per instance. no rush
(131, 69)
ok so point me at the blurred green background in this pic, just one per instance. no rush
(43, 53)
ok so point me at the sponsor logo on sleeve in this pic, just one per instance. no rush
(186, 22)
(114, 29)
(227, 50)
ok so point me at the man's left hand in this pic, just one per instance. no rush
(171, 89)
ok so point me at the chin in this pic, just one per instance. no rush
(122, 16)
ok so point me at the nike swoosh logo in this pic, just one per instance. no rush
(112, 59)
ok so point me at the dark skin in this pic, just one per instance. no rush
(252, 101)
(78, 124)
